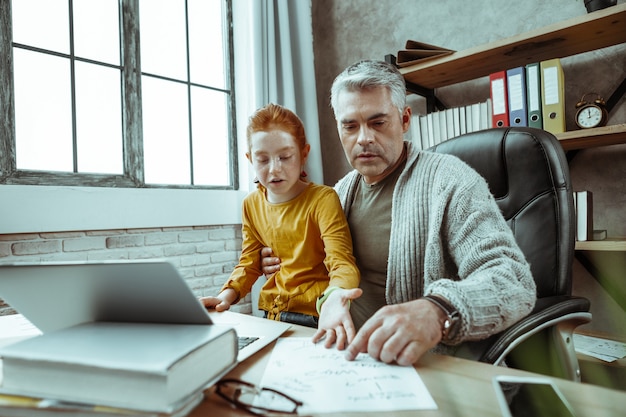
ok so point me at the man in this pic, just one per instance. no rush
(439, 265)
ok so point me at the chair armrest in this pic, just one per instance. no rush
(548, 312)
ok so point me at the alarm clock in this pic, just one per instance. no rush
(591, 114)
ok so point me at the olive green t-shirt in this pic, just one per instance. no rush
(370, 225)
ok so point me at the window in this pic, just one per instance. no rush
(87, 106)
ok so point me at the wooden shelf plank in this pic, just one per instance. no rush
(616, 244)
(589, 138)
(574, 36)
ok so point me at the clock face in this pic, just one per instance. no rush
(589, 116)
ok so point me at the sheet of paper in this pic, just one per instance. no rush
(327, 383)
(603, 349)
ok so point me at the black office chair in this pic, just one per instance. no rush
(528, 174)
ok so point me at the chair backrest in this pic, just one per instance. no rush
(528, 175)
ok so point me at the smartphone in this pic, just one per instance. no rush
(530, 396)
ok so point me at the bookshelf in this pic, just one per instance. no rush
(589, 138)
(558, 40)
(613, 244)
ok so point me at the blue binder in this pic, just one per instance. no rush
(516, 93)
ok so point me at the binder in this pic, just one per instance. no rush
(500, 111)
(552, 96)
(516, 95)
(533, 95)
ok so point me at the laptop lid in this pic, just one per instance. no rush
(58, 295)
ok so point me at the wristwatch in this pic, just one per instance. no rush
(451, 323)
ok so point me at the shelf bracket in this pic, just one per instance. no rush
(432, 102)
(616, 96)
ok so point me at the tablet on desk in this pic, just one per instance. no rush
(530, 396)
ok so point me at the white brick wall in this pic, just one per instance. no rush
(204, 255)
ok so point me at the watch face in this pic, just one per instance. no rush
(589, 116)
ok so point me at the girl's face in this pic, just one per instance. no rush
(278, 162)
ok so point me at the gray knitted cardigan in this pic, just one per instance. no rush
(448, 237)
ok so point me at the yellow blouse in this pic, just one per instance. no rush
(310, 235)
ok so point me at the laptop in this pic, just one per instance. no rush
(56, 295)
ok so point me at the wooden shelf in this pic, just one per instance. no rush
(589, 138)
(584, 33)
(616, 244)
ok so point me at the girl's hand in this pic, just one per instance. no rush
(335, 323)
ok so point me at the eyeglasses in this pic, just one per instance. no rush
(259, 401)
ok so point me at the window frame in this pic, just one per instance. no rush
(28, 205)
(133, 176)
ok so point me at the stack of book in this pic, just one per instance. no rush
(416, 52)
(532, 95)
(115, 369)
(436, 127)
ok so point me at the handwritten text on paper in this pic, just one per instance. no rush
(326, 382)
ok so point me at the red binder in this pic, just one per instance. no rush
(499, 105)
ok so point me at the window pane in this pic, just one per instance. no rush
(42, 23)
(165, 132)
(43, 113)
(206, 58)
(98, 119)
(210, 137)
(163, 38)
(96, 30)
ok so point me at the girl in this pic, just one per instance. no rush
(302, 222)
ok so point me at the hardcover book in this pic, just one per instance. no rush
(142, 366)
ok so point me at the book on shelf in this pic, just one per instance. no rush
(436, 116)
(24, 406)
(462, 121)
(476, 116)
(436, 127)
(414, 131)
(584, 215)
(141, 366)
(423, 132)
(415, 52)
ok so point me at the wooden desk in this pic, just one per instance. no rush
(459, 387)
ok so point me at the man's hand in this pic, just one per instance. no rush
(399, 333)
(335, 323)
(220, 303)
(269, 263)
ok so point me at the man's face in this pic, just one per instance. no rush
(371, 131)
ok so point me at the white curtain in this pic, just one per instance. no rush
(274, 63)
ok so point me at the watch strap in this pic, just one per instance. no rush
(450, 324)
